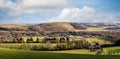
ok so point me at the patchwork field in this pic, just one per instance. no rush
(13, 51)
(76, 51)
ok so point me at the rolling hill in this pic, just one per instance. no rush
(44, 27)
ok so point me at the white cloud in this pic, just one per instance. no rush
(31, 6)
(45, 4)
(17, 9)
(86, 14)
(5, 3)
(74, 15)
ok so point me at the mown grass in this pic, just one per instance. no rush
(23, 54)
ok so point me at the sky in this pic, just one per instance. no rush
(42, 11)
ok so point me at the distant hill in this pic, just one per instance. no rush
(113, 28)
(44, 27)
(101, 24)
(57, 27)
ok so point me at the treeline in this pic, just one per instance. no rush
(80, 44)
(86, 33)
(113, 36)
(37, 40)
(46, 44)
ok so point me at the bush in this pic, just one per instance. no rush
(30, 40)
(62, 47)
(117, 42)
(15, 40)
(71, 45)
(37, 40)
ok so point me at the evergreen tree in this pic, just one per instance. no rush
(15, 40)
(37, 40)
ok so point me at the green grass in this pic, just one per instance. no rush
(111, 48)
(99, 40)
(77, 51)
(86, 51)
(23, 54)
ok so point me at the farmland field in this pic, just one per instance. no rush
(99, 40)
(76, 51)
(23, 54)
(86, 51)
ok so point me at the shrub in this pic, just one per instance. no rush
(15, 40)
(117, 42)
(38, 40)
(62, 47)
(79, 44)
(30, 40)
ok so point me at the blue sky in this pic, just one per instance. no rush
(40, 11)
(102, 5)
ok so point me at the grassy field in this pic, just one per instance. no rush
(16, 53)
(86, 51)
(77, 51)
(99, 40)
(23, 54)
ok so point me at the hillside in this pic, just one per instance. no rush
(44, 27)
(101, 24)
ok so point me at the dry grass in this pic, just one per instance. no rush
(93, 29)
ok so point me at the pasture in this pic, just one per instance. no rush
(87, 51)
(25, 54)
(75, 51)
(14, 51)
(99, 40)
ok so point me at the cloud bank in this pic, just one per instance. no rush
(74, 15)
(29, 6)
(61, 11)
(85, 14)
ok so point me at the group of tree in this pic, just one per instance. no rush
(80, 44)
(56, 40)
(44, 40)
(29, 40)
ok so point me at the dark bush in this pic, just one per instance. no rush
(117, 42)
